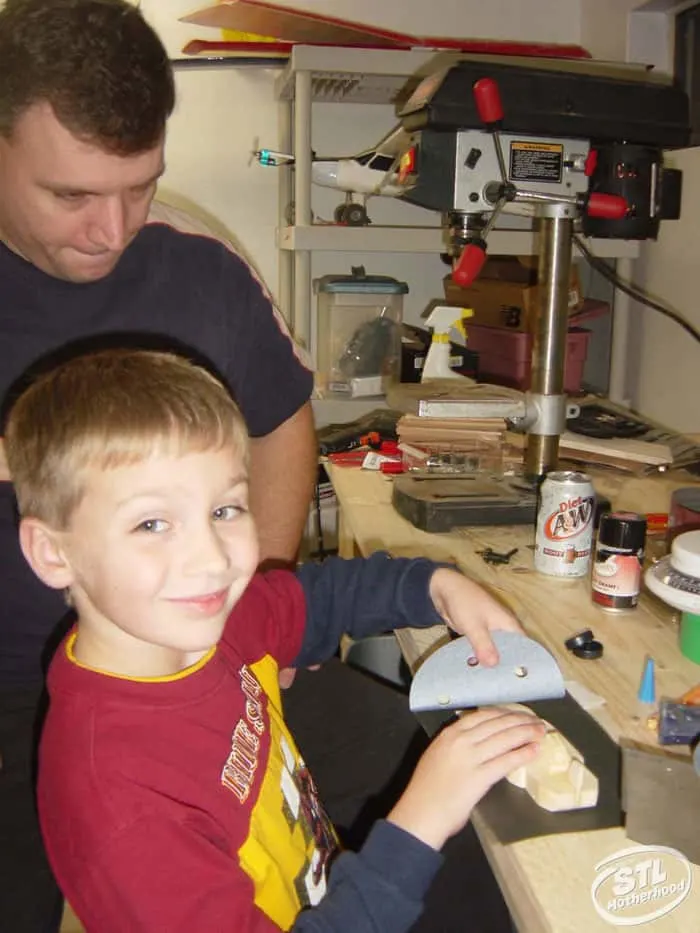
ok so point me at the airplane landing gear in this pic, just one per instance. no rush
(351, 213)
(354, 215)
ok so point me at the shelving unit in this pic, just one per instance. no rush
(318, 74)
(361, 76)
(334, 237)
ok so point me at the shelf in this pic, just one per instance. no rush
(354, 76)
(361, 239)
(332, 237)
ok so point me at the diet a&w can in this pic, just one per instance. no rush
(565, 525)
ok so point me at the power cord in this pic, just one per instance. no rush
(632, 290)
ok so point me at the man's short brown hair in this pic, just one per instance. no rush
(98, 63)
(109, 409)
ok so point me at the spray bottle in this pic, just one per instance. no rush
(442, 319)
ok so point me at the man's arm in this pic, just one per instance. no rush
(283, 471)
(4, 472)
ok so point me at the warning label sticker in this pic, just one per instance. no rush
(536, 161)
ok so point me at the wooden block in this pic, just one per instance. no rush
(557, 779)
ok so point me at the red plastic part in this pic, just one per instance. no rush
(391, 467)
(488, 101)
(608, 206)
(591, 162)
(469, 264)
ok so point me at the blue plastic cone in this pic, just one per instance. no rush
(647, 687)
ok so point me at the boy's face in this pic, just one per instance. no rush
(160, 551)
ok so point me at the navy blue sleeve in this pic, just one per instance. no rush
(362, 597)
(379, 890)
(265, 370)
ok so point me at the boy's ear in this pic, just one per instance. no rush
(41, 545)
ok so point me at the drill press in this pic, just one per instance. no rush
(581, 146)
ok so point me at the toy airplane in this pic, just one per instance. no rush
(382, 170)
(453, 679)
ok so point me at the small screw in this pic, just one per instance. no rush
(443, 699)
(520, 672)
(472, 662)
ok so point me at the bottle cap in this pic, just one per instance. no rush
(625, 530)
(578, 640)
(591, 651)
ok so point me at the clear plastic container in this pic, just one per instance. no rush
(358, 340)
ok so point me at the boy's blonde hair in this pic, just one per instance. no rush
(110, 409)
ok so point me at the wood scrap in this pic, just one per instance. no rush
(558, 778)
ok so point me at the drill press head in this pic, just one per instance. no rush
(570, 131)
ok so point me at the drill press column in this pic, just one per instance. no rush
(549, 343)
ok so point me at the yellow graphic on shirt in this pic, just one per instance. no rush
(290, 838)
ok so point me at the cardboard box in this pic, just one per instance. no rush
(506, 293)
(505, 356)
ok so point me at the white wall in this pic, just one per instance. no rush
(663, 358)
(222, 109)
(603, 25)
(666, 377)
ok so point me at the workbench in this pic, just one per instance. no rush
(546, 881)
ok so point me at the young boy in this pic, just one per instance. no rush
(171, 795)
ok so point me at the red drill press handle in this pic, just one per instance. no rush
(488, 101)
(607, 206)
(469, 264)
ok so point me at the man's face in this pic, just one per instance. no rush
(160, 552)
(66, 205)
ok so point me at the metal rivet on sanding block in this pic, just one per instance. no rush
(472, 661)
(520, 672)
(443, 699)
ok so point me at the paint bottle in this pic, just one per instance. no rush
(617, 568)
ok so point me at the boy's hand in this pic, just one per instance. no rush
(468, 609)
(465, 760)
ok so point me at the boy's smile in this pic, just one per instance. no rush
(159, 551)
(209, 604)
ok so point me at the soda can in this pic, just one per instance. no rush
(565, 515)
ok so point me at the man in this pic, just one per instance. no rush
(85, 93)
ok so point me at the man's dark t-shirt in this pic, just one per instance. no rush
(177, 291)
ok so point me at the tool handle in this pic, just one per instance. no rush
(488, 101)
(470, 263)
(608, 206)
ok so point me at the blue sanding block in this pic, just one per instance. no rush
(451, 678)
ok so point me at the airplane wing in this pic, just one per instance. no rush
(302, 26)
